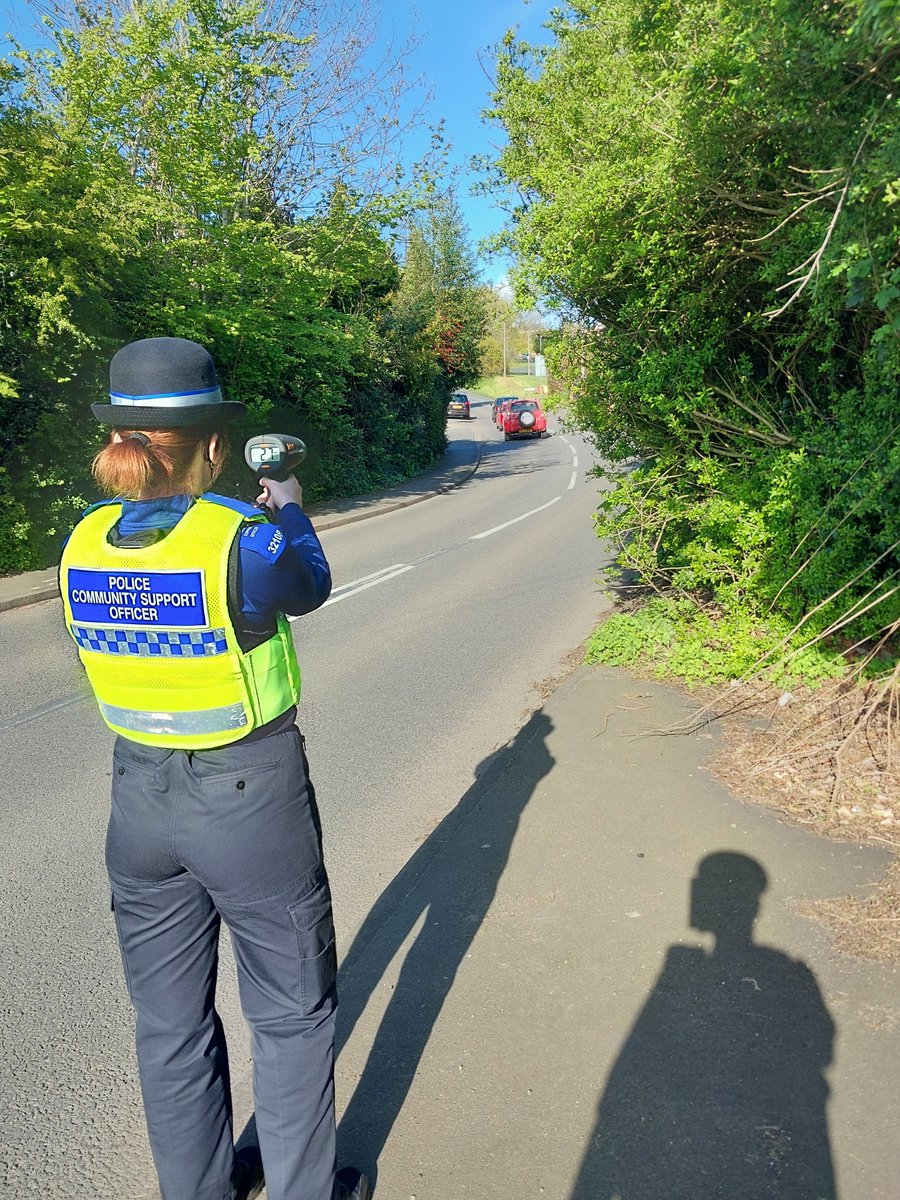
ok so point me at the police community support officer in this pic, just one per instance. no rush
(177, 600)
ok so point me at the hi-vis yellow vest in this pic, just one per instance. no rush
(156, 639)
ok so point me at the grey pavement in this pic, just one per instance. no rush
(457, 465)
(529, 1010)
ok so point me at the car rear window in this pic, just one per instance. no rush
(524, 406)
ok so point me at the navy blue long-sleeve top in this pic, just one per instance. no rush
(283, 568)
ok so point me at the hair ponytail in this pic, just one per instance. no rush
(139, 465)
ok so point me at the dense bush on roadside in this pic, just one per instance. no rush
(149, 186)
(709, 193)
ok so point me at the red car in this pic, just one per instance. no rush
(495, 407)
(523, 418)
(502, 407)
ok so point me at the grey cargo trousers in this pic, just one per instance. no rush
(196, 838)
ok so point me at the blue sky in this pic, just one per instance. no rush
(451, 33)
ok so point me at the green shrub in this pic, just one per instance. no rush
(15, 552)
(676, 636)
(709, 194)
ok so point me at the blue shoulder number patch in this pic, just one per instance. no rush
(267, 540)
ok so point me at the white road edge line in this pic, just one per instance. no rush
(574, 460)
(345, 587)
(572, 481)
(351, 589)
(506, 524)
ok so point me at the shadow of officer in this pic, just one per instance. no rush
(719, 1091)
(451, 882)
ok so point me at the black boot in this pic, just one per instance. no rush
(248, 1176)
(350, 1184)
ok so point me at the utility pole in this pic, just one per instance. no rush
(505, 363)
(528, 363)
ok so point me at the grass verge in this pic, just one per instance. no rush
(505, 385)
(704, 643)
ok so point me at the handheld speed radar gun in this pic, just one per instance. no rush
(274, 455)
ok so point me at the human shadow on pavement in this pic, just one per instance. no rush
(719, 1091)
(448, 885)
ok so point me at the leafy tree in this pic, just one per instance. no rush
(511, 333)
(707, 191)
(441, 293)
(328, 103)
(152, 185)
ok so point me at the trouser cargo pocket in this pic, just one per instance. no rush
(314, 925)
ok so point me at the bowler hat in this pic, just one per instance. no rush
(164, 383)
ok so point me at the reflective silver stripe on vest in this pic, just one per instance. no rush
(176, 724)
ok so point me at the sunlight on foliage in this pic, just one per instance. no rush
(164, 171)
(707, 194)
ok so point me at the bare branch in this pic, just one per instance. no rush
(816, 258)
(790, 217)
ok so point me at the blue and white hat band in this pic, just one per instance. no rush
(211, 395)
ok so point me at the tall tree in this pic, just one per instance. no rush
(441, 291)
(144, 194)
(320, 101)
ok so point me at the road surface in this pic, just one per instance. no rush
(446, 622)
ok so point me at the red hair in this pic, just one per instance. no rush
(128, 467)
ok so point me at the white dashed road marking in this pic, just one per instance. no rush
(514, 521)
(43, 710)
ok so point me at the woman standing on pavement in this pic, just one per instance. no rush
(177, 599)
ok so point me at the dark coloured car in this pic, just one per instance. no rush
(504, 408)
(459, 406)
(495, 407)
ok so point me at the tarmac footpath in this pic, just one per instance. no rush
(593, 981)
